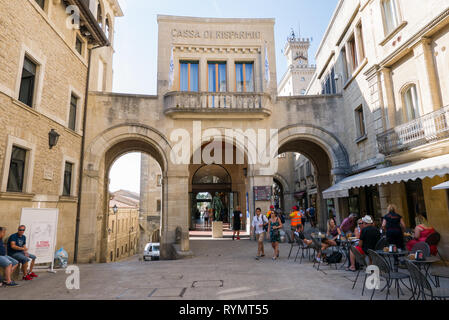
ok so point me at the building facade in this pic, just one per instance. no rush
(123, 225)
(392, 77)
(217, 76)
(44, 69)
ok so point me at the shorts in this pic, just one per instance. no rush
(19, 256)
(5, 261)
(260, 237)
(360, 250)
(237, 227)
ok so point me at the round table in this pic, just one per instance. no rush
(395, 256)
(425, 265)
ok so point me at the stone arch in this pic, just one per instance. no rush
(283, 182)
(100, 154)
(326, 140)
(325, 152)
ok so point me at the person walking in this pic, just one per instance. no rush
(275, 224)
(237, 222)
(270, 211)
(258, 224)
(394, 226)
(296, 220)
(311, 212)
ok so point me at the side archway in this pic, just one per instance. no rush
(100, 154)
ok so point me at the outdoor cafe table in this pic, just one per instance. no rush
(346, 243)
(395, 256)
(425, 265)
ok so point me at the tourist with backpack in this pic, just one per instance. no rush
(258, 225)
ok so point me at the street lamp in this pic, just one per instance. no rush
(53, 138)
(115, 209)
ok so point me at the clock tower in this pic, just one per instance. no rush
(300, 71)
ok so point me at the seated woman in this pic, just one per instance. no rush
(333, 231)
(421, 233)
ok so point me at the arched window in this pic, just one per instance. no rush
(411, 103)
(108, 28)
(391, 15)
(99, 15)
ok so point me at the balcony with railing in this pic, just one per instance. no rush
(426, 129)
(217, 105)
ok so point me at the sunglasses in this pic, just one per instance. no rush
(21, 229)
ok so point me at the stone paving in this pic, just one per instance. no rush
(221, 270)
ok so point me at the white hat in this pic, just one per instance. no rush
(367, 219)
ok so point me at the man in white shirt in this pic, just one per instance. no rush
(258, 224)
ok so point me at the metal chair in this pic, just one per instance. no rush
(316, 246)
(295, 242)
(361, 261)
(424, 287)
(303, 247)
(439, 273)
(422, 246)
(434, 240)
(382, 243)
(387, 274)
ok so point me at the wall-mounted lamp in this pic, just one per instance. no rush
(53, 138)
(115, 209)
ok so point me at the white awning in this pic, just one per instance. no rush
(428, 168)
(443, 186)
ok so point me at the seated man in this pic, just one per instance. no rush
(17, 249)
(369, 237)
(8, 263)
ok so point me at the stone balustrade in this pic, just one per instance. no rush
(428, 128)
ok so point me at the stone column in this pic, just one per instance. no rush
(175, 213)
(390, 103)
(384, 198)
(88, 232)
(323, 183)
(428, 79)
(202, 73)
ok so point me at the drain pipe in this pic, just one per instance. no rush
(83, 142)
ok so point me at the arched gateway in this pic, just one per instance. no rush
(185, 115)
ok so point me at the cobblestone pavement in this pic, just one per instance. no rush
(221, 269)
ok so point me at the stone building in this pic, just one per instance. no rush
(217, 76)
(123, 225)
(388, 60)
(44, 68)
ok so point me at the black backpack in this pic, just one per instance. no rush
(282, 218)
(334, 258)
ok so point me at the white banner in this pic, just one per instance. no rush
(41, 229)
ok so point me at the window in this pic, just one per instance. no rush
(391, 17)
(308, 169)
(79, 45)
(41, 3)
(346, 71)
(329, 85)
(72, 112)
(189, 80)
(99, 16)
(360, 44)
(27, 82)
(67, 187)
(108, 28)
(244, 74)
(158, 205)
(101, 68)
(16, 170)
(360, 122)
(353, 60)
(411, 103)
(217, 77)
(159, 180)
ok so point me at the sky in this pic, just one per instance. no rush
(135, 44)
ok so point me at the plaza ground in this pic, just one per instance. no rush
(220, 270)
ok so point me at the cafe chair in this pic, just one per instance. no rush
(423, 287)
(422, 246)
(361, 261)
(386, 273)
(381, 244)
(433, 240)
(294, 243)
(438, 273)
(316, 246)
